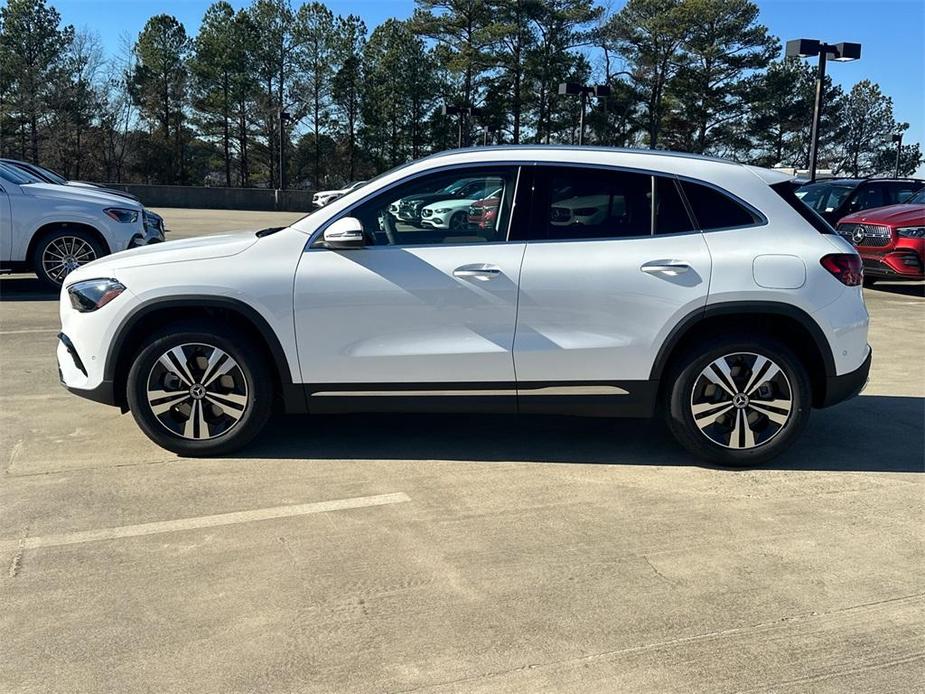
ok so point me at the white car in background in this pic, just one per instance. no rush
(53, 229)
(453, 213)
(715, 298)
(323, 197)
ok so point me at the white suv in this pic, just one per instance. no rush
(707, 292)
(53, 229)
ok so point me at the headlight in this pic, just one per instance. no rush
(442, 210)
(90, 295)
(122, 215)
(912, 232)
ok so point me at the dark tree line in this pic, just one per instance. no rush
(345, 102)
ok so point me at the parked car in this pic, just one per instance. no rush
(408, 209)
(53, 229)
(453, 213)
(483, 214)
(46, 175)
(715, 296)
(891, 240)
(838, 197)
(324, 197)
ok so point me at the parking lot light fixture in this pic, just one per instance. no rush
(582, 91)
(807, 48)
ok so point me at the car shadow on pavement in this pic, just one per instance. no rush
(867, 434)
(903, 289)
(25, 288)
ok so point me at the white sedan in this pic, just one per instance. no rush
(323, 197)
(453, 213)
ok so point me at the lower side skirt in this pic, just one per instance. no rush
(592, 399)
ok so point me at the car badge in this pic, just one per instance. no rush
(858, 234)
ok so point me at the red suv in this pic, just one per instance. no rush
(891, 240)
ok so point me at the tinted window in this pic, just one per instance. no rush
(465, 206)
(17, 176)
(824, 197)
(918, 198)
(715, 210)
(583, 203)
(901, 192)
(787, 190)
(868, 196)
(670, 214)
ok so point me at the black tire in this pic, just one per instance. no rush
(689, 382)
(233, 411)
(457, 222)
(86, 248)
(869, 281)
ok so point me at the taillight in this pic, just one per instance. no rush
(847, 268)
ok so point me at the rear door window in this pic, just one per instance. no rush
(594, 203)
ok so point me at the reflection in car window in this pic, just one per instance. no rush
(465, 206)
(716, 210)
(918, 198)
(592, 203)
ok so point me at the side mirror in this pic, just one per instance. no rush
(345, 233)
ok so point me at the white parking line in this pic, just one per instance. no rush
(24, 332)
(201, 522)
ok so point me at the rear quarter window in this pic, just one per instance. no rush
(714, 209)
(787, 191)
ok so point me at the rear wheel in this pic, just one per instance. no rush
(200, 390)
(739, 402)
(61, 252)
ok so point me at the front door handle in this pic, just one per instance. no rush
(672, 268)
(479, 271)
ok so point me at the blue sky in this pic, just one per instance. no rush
(892, 33)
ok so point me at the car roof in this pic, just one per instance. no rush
(859, 181)
(662, 161)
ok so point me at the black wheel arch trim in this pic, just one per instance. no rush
(291, 393)
(766, 308)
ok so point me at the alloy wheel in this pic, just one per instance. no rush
(741, 400)
(65, 254)
(197, 391)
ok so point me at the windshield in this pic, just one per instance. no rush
(824, 197)
(917, 199)
(18, 176)
(42, 172)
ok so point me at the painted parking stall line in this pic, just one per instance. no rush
(159, 527)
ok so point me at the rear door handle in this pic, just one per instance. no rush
(671, 268)
(479, 271)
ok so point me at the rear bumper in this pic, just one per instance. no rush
(844, 387)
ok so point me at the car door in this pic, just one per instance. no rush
(421, 318)
(606, 275)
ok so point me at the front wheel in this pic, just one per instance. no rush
(200, 390)
(738, 402)
(61, 252)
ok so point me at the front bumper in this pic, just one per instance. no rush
(844, 387)
(73, 375)
(152, 234)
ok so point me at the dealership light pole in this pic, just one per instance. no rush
(463, 113)
(583, 92)
(840, 52)
(898, 139)
(283, 117)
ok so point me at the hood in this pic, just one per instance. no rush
(101, 189)
(200, 248)
(894, 216)
(77, 194)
